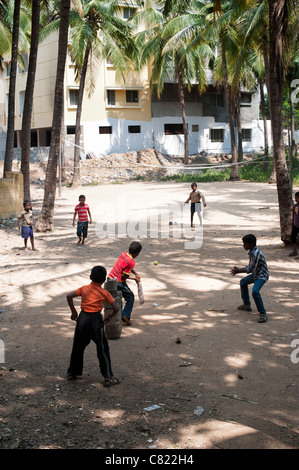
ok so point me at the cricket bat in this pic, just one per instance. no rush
(140, 293)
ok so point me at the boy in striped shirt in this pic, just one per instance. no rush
(83, 211)
(258, 275)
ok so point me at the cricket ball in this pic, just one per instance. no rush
(155, 263)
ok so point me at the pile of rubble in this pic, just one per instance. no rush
(145, 165)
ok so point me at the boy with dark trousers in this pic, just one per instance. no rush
(90, 325)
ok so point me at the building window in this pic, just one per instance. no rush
(8, 67)
(128, 12)
(245, 99)
(70, 130)
(216, 99)
(105, 130)
(134, 129)
(217, 135)
(21, 101)
(111, 97)
(24, 64)
(195, 128)
(173, 129)
(132, 96)
(33, 139)
(246, 135)
(73, 97)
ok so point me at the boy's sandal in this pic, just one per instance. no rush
(111, 381)
(262, 319)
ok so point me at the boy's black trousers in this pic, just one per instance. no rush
(90, 326)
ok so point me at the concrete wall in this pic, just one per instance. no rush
(12, 195)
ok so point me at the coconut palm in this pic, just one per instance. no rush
(45, 221)
(9, 150)
(163, 45)
(28, 100)
(96, 32)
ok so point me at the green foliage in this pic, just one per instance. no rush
(254, 172)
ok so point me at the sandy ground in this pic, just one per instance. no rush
(244, 375)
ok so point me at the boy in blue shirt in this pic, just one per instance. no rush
(258, 275)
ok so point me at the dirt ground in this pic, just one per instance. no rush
(239, 375)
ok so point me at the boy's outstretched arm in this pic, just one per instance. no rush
(89, 213)
(115, 309)
(69, 298)
(235, 270)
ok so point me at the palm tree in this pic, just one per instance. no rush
(45, 222)
(96, 32)
(278, 23)
(28, 101)
(163, 45)
(9, 150)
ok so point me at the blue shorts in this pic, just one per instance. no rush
(82, 228)
(27, 232)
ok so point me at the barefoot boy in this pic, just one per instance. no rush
(83, 211)
(25, 222)
(90, 325)
(196, 197)
(258, 277)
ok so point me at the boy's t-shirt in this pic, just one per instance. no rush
(82, 212)
(93, 297)
(296, 215)
(26, 218)
(124, 264)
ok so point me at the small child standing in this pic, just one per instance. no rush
(295, 225)
(90, 325)
(122, 269)
(83, 211)
(258, 277)
(25, 222)
(196, 197)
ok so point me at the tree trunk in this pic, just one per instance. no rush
(76, 177)
(183, 110)
(265, 39)
(277, 25)
(9, 150)
(45, 222)
(234, 175)
(28, 101)
(239, 125)
(264, 114)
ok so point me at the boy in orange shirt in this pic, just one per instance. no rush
(90, 325)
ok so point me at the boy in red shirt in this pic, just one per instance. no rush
(122, 269)
(90, 325)
(83, 211)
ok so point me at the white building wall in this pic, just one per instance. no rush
(152, 135)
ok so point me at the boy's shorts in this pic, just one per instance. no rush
(27, 231)
(82, 228)
(195, 207)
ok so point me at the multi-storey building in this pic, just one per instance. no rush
(124, 116)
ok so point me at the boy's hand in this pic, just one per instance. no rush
(137, 278)
(234, 271)
(74, 316)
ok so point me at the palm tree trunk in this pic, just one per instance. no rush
(183, 110)
(45, 222)
(264, 114)
(9, 150)
(277, 25)
(239, 125)
(76, 177)
(28, 101)
(234, 176)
